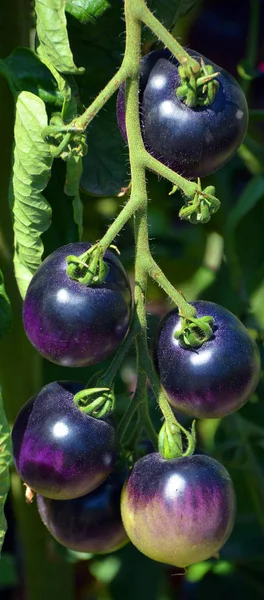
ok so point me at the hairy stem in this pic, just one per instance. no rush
(111, 87)
(142, 12)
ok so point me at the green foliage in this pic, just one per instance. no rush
(25, 71)
(32, 166)
(86, 10)
(52, 35)
(5, 309)
(5, 458)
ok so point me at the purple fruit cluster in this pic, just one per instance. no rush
(68, 458)
(177, 510)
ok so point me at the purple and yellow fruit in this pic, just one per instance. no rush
(59, 451)
(178, 511)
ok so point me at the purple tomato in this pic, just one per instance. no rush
(72, 324)
(215, 379)
(91, 523)
(59, 451)
(194, 142)
(178, 511)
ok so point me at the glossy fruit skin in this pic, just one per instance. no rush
(59, 451)
(69, 323)
(178, 511)
(194, 142)
(91, 523)
(215, 379)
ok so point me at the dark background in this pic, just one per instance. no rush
(222, 261)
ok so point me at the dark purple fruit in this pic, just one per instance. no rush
(72, 324)
(194, 142)
(59, 451)
(178, 511)
(91, 523)
(215, 379)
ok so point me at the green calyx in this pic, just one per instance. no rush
(194, 332)
(89, 268)
(171, 437)
(64, 141)
(197, 88)
(96, 402)
(200, 207)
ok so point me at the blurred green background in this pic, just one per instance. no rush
(222, 261)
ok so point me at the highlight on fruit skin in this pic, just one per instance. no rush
(59, 451)
(91, 523)
(215, 379)
(194, 142)
(178, 511)
(72, 324)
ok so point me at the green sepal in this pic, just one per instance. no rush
(89, 268)
(169, 441)
(198, 88)
(96, 402)
(200, 207)
(195, 332)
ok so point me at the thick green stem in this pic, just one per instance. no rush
(142, 12)
(157, 275)
(112, 86)
(125, 214)
(188, 187)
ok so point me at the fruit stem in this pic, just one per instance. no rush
(142, 12)
(189, 188)
(252, 43)
(157, 275)
(82, 122)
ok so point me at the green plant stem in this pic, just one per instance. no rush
(111, 87)
(125, 214)
(157, 275)
(143, 260)
(142, 12)
(252, 42)
(188, 187)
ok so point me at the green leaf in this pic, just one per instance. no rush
(5, 459)
(86, 10)
(252, 193)
(53, 36)
(73, 176)
(24, 71)
(5, 309)
(32, 167)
